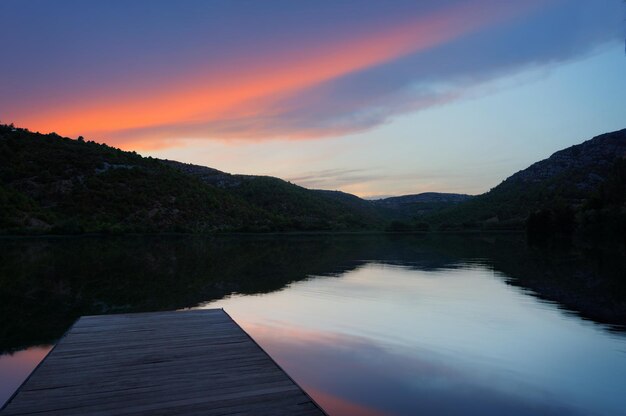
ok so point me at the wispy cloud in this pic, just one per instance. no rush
(370, 182)
(334, 178)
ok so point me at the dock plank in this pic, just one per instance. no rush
(161, 363)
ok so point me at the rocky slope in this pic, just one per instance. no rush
(567, 179)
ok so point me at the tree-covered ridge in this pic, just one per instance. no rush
(53, 184)
(307, 208)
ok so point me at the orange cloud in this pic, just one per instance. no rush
(251, 94)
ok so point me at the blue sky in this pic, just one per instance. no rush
(383, 98)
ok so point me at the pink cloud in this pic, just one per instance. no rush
(257, 101)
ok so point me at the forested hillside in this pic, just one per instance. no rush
(579, 185)
(51, 184)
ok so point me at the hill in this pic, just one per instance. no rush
(562, 185)
(418, 205)
(51, 184)
(289, 200)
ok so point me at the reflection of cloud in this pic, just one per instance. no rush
(341, 406)
(346, 374)
(16, 367)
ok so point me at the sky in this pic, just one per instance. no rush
(376, 98)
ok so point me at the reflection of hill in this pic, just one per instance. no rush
(46, 283)
(590, 281)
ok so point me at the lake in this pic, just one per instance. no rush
(367, 324)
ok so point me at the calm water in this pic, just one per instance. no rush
(368, 325)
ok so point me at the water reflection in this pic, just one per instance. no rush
(395, 340)
(479, 324)
(14, 368)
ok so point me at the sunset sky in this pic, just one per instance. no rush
(372, 97)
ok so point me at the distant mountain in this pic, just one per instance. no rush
(425, 197)
(565, 182)
(408, 207)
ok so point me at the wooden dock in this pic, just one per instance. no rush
(196, 362)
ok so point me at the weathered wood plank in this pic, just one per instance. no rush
(162, 363)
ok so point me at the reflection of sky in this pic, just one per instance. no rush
(14, 368)
(398, 341)
(365, 96)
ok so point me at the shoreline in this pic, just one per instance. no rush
(277, 233)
